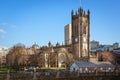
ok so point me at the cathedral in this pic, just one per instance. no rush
(59, 56)
(78, 49)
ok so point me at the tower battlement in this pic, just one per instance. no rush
(80, 34)
(80, 12)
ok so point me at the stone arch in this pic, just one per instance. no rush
(61, 59)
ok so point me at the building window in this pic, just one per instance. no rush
(84, 30)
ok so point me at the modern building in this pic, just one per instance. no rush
(80, 34)
(94, 44)
(115, 45)
(117, 55)
(68, 34)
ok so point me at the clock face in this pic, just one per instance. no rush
(76, 39)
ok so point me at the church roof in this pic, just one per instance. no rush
(94, 64)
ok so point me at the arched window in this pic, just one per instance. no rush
(62, 58)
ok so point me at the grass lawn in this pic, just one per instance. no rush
(4, 68)
(51, 69)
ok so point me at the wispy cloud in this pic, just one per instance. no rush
(13, 26)
(3, 31)
(2, 36)
(8, 25)
(3, 24)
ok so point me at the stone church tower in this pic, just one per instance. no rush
(80, 34)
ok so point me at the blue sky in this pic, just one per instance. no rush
(41, 21)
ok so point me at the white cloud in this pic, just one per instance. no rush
(3, 31)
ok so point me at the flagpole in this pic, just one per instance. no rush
(80, 2)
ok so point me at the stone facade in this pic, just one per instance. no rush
(58, 56)
(80, 34)
(55, 56)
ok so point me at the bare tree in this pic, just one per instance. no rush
(34, 58)
(16, 55)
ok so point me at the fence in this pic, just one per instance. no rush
(65, 75)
